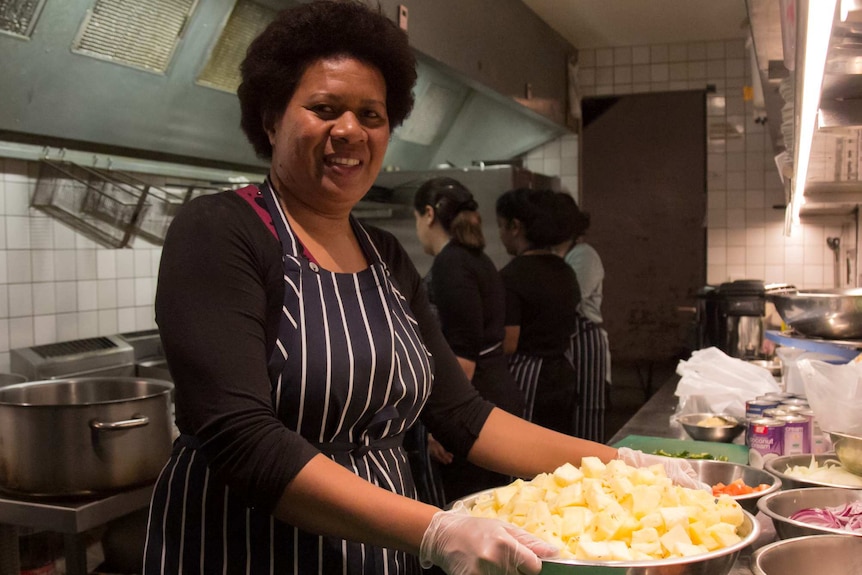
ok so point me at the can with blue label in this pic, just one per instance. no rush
(754, 408)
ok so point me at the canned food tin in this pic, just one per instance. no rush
(778, 396)
(765, 435)
(775, 412)
(755, 407)
(795, 402)
(797, 434)
(820, 441)
(793, 409)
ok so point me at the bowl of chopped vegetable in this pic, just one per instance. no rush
(848, 449)
(806, 470)
(711, 426)
(812, 554)
(743, 483)
(814, 511)
(612, 517)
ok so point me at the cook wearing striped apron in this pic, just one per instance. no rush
(350, 373)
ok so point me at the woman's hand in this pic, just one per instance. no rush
(437, 452)
(465, 545)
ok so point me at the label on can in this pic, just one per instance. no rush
(765, 435)
(797, 434)
(755, 407)
(820, 441)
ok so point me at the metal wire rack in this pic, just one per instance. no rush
(101, 207)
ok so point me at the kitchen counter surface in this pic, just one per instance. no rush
(653, 419)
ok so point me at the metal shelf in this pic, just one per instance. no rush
(71, 518)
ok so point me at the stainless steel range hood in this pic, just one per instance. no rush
(833, 185)
(62, 87)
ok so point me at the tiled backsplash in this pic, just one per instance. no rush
(745, 233)
(57, 285)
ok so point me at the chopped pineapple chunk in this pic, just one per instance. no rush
(615, 512)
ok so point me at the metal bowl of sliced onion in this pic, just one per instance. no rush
(814, 511)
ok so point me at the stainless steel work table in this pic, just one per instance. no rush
(653, 419)
(70, 518)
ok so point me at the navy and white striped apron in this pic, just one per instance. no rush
(350, 374)
(548, 385)
(589, 355)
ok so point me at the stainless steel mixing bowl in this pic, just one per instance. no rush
(778, 467)
(723, 433)
(848, 448)
(713, 472)
(779, 506)
(830, 314)
(718, 562)
(832, 554)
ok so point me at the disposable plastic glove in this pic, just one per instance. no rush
(678, 469)
(465, 545)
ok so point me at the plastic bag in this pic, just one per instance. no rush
(834, 393)
(791, 356)
(712, 381)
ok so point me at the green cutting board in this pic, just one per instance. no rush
(733, 452)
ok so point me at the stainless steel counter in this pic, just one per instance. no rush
(71, 518)
(653, 419)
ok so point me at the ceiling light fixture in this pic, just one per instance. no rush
(818, 30)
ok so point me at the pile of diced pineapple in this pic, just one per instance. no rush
(615, 512)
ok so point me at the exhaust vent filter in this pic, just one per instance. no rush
(18, 17)
(247, 20)
(138, 33)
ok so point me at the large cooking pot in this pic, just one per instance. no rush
(84, 436)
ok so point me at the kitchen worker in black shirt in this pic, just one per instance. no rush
(466, 291)
(542, 293)
(302, 345)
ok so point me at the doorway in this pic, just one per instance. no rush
(644, 184)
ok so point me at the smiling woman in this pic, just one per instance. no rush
(303, 347)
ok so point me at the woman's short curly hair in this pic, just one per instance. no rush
(301, 35)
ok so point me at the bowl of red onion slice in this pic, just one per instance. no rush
(814, 511)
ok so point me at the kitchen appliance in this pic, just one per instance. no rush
(730, 317)
(96, 356)
(83, 436)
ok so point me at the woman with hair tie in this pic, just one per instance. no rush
(467, 292)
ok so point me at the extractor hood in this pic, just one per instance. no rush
(156, 79)
(833, 185)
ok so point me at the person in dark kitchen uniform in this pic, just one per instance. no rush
(589, 349)
(302, 345)
(467, 292)
(541, 294)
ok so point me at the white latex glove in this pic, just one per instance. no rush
(678, 469)
(465, 545)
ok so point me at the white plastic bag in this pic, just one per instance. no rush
(712, 381)
(791, 356)
(834, 393)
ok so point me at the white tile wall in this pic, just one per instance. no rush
(745, 234)
(56, 284)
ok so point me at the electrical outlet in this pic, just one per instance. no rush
(402, 17)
